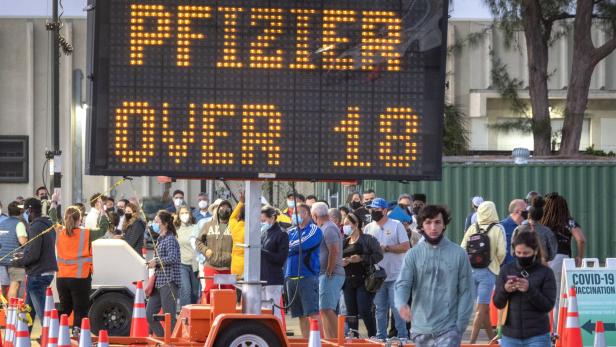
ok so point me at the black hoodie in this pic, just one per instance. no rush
(40, 252)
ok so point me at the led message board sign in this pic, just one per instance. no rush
(307, 89)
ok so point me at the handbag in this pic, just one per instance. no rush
(149, 288)
(375, 276)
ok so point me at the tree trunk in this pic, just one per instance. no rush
(579, 82)
(537, 47)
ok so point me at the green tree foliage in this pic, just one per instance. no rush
(455, 131)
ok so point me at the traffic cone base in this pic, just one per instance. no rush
(139, 324)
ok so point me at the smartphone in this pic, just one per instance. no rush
(512, 278)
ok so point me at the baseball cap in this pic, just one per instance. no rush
(378, 203)
(477, 200)
(33, 203)
(530, 194)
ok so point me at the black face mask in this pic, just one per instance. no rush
(524, 214)
(416, 210)
(44, 197)
(433, 241)
(128, 216)
(120, 212)
(376, 215)
(224, 214)
(525, 262)
(355, 205)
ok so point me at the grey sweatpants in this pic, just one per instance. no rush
(164, 297)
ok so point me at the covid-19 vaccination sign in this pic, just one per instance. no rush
(596, 296)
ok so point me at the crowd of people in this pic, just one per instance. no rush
(387, 264)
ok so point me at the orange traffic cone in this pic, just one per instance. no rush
(85, 338)
(562, 316)
(22, 334)
(64, 336)
(103, 339)
(493, 312)
(314, 340)
(49, 305)
(54, 326)
(10, 321)
(600, 335)
(139, 324)
(573, 333)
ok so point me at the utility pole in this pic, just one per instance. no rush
(55, 92)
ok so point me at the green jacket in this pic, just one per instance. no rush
(441, 283)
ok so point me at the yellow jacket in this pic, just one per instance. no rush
(486, 215)
(237, 234)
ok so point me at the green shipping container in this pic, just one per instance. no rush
(588, 186)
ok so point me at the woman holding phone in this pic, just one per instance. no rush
(526, 289)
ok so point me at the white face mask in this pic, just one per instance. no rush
(184, 217)
(202, 204)
(347, 229)
(178, 201)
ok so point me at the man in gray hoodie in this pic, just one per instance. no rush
(436, 275)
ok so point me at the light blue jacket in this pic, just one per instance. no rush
(441, 283)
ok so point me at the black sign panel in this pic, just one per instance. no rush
(308, 89)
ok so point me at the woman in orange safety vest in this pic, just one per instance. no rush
(74, 256)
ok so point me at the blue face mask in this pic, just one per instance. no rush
(156, 228)
(297, 219)
(26, 216)
(291, 203)
(265, 227)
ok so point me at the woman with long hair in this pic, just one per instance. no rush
(526, 289)
(360, 251)
(133, 228)
(166, 263)
(557, 217)
(185, 225)
(74, 256)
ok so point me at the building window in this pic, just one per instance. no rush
(14, 159)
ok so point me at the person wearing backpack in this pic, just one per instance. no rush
(486, 247)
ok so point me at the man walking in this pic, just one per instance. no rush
(394, 242)
(437, 274)
(517, 210)
(39, 256)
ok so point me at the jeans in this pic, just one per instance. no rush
(359, 305)
(450, 338)
(535, 341)
(37, 285)
(384, 301)
(189, 289)
(165, 298)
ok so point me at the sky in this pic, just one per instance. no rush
(474, 9)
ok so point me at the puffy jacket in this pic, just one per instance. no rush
(274, 253)
(486, 215)
(8, 238)
(237, 234)
(216, 236)
(527, 315)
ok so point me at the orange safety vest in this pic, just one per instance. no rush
(74, 254)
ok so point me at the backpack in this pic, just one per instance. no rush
(478, 247)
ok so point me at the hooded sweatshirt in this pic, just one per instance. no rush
(486, 215)
(440, 280)
(216, 236)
